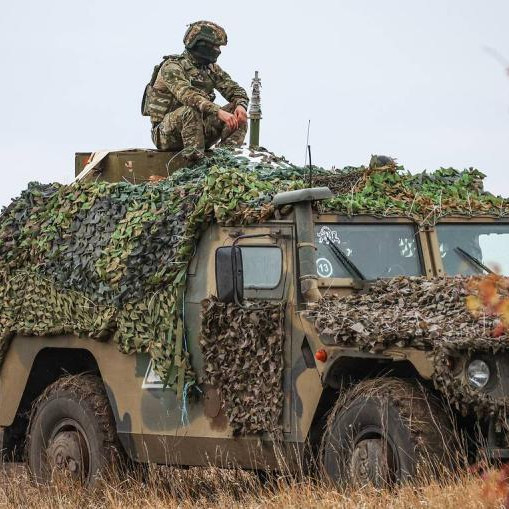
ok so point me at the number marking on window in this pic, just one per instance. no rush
(324, 267)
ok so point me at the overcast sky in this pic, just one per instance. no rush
(404, 78)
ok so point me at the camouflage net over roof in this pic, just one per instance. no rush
(96, 259)
(385, 189)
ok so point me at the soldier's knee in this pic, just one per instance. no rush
(190, 115)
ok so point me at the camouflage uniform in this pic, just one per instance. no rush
(185, 89)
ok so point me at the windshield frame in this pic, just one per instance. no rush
(428, 239)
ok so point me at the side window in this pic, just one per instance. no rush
(262, 266)
(462, 244)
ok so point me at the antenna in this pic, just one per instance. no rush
(310, 168)
(307, 143)
(308, 155)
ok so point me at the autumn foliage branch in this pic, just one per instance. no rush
(490, 298)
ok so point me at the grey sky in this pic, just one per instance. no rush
(403, 78)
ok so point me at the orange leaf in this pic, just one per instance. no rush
(498, 330)
(502, 310)
(474, 304)
(488, 292)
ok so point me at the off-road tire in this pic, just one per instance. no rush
(389, 418)
(79, 402)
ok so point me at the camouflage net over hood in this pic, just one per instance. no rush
(426, 314)
(95, 258)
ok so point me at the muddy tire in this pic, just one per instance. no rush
(386, 431)
(72, 432)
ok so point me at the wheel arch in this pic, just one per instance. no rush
(31, 364)
(347, 371)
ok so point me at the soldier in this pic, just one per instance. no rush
(180, 98)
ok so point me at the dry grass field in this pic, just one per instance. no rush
(215, 488)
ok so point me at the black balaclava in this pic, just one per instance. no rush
(205, 52)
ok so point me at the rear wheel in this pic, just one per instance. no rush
(383, 431)
(72, 431)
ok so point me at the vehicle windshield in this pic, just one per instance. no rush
(366, 251)
(463, 245)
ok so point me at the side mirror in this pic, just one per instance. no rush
(229, 274)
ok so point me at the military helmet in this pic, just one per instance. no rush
(205, 31)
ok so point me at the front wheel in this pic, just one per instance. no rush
(72, 431)
(383, 431)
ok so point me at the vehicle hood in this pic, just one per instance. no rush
(403, 311)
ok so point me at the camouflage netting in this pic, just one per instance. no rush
(243, 358)
(425, 314)
(384, 189)
(96, 259)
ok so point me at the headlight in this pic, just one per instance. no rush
(478, 373)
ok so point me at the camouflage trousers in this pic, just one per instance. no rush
(192, 132)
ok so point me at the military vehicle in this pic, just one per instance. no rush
(367, 414)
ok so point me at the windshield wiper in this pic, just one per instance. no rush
(349, 265)
(473, 260)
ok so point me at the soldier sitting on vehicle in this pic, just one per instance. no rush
(179, 98)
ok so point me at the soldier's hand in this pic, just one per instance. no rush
(229, 119)
(241, 115)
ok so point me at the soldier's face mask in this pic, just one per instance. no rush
(205, 52)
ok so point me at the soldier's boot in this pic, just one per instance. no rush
(231, 138)
(192, 155)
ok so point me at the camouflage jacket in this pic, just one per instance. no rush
(181, 81)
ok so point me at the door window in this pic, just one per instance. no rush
(262, 266)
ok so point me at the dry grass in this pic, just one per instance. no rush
(215, 488)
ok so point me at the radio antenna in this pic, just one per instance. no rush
(307, 156)
(307, 144)
(310, 167)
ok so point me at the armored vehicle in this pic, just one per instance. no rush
(321, 324)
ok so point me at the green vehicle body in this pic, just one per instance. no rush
(149, 419)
